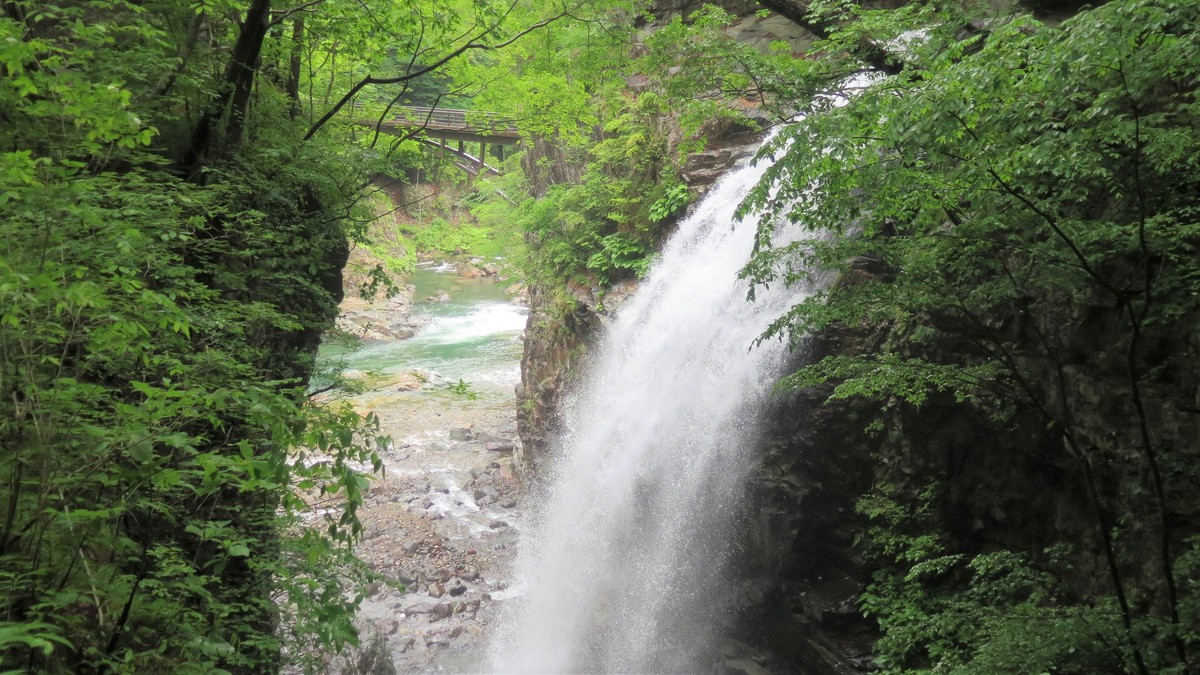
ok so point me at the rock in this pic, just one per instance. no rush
(471, 271)
(411, 547)
(497, 524)
(437, 590)
(440, 296)
(423, 608)
(456, 591)
(503, 446)
(461, 434)
(508, 504)
(482, 493)
(405, 577)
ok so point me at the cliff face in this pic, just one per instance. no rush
(1007, 484)
(556, 336)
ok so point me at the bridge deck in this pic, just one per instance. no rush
(456, 125)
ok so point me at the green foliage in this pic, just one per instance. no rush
(464, 389)
(440, 236)
(996, 612)
(608, 188)
(1014, 214)
(159, 313)
(713, 78)
(672, 201)
(603, 228)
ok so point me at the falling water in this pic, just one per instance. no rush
(624, 569)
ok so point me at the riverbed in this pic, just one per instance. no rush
(444, 518)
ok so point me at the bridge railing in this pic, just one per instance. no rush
(467, 120)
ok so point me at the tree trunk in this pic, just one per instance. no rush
(233, 98)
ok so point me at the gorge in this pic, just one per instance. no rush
(919, 391)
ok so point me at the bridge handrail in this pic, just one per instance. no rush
(455, 118)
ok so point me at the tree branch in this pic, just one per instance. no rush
(283, 14)
(473, 44)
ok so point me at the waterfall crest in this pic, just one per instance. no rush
(625, 565)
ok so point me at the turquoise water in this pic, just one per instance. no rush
(474, 336)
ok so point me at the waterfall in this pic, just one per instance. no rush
(624, 569)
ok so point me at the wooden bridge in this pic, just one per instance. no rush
(442, 127)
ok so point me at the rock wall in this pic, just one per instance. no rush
(1005, 485)
(814, 461)
(556, 335)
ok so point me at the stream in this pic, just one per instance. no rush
(443, 519)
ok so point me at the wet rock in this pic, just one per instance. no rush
(488, 437)
(471, 271)
(456, 591)
(423, 608)
(480, 494)
(501, 446)
(440, 296)
(497, 524)
(461, 434)
(508, 504)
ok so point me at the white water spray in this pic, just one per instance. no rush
(624, 568)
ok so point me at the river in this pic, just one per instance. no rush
(443, 519)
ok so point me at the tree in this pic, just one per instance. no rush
(1002, 203)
